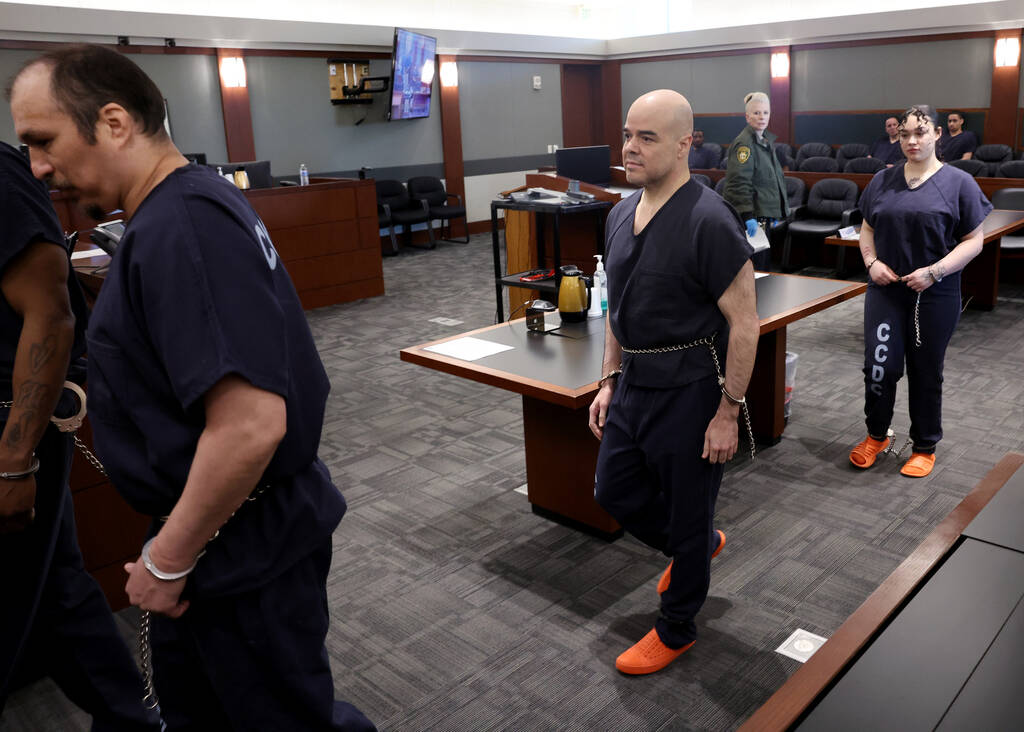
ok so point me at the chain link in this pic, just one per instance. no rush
(917, 320)
(708, 341)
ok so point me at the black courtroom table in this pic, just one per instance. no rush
(557, 376)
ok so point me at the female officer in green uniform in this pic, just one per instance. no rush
(753, 181)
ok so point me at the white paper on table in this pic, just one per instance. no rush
(759, 240)
(468, 348)
(88, 254)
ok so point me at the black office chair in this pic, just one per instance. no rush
(1012, 169)
(258, 172)
(831, 205)
(784, 152)
(864, 165)
(973, 167)
(197, 158)
(819, 164)
(993, 156)
(702, 179)
(850, 151)
(431, 190)
(812, 150)
(796, 191)
(716, 149)
(720, 186)
(395, 207)
(1010, 246)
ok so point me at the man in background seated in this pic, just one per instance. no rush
(887, 148)
(700, 156)
(957, 143)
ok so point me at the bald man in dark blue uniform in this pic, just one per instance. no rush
(54, 619)
(207, 399)
(679, 279)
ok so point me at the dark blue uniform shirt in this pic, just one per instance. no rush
(664, 283)
(197, 292)
(27, 217)
(953, 148)
(703, 157)
(889, 153)
(915, 228)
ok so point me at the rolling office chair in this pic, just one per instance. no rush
(716, 149)
(431, 191)
(993, 156)
(972, 167)
(796, 191)
(812, 150)
(819, 164)
(720, 186)
(850, 151)
(1012, 169)
(395, 207)
(864, 165)
(831, 205)
(702, 179)
(784, 152)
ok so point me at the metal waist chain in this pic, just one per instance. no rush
(708, 341)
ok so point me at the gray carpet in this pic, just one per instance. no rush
(455, 608)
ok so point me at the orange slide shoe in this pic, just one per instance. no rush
(666, 576)
(649, 655)
(919, 465)
(863, 456)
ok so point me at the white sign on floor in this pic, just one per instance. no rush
(801, 645)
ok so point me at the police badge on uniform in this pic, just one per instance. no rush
(743, 154)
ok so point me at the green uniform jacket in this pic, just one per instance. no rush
(753, 180)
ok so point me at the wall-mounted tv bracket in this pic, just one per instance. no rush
(351, 83)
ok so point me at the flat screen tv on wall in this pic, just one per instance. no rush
(412, 75)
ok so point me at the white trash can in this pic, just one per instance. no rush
(791, 359)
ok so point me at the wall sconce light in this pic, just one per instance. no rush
(780, 65)
(449, 74)
(232, 71)
(1007, 51)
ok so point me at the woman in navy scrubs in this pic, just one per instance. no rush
(922, 225)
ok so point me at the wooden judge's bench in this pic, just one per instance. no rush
(326, 234)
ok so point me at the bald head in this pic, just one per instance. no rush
(670, 108)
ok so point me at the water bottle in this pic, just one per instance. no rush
(303, 175)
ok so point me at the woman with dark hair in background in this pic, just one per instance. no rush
(753, 181)
(922, 225)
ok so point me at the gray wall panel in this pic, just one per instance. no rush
(10, 62)
(294, 121)
(191, 86)
(955, 73)
(503, 115)
(713, 85)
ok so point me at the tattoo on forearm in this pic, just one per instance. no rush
(41, 353)
(30, 398)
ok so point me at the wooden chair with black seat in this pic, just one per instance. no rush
(431, 190)
(831, 205)
(394, 206)
(1011, 246)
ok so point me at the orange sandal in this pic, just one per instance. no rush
(649, 655)
(863, 456)
(919, 465)
(666, 576)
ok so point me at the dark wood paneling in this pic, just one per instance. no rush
(1001, 122)
(451, 136)
(611, 108)
(237, 115)
(582, 107)
(288, 206)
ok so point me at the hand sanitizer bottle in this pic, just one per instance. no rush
(601, 282)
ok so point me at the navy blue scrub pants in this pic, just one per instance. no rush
(652, 479)
(889, 341)
(54, 619)
(255, 660)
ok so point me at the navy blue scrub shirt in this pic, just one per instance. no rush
(917, 227)
(953, 148)
(664, 283)
(197, 292)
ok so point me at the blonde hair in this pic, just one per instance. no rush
(755, 97)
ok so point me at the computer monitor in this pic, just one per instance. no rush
(591, 164)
